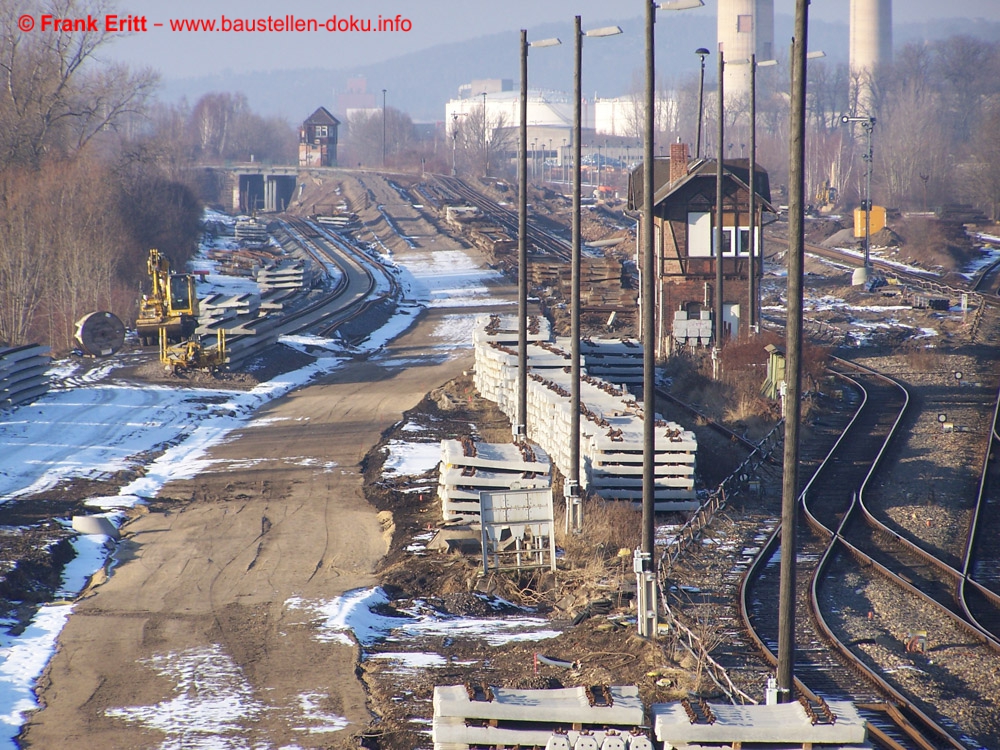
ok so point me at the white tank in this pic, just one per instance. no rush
(745, 28)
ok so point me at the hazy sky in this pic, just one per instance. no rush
(181, 54)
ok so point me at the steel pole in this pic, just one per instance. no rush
(868, 126)
(793, 356)
(718, 210)
(574, 452)
(701, 99)
(752, 271)
(521, 428)
(648, 292)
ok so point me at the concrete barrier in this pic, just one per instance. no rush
(611, 440)
(575, 718)
(494, 466)
(95, 525)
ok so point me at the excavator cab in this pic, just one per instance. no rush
(182, 296)
(171, 305)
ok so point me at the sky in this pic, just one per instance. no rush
(432, 22)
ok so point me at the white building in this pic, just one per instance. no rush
(871, 48)
(546, 109)
(624, 115)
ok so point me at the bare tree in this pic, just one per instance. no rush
(984, 168)
(24, 260)
(88, 243)
(481, 137)
(51, 99)
(363, 140)
(910, 143)
(967, 71)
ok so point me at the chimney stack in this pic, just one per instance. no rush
(678, 161)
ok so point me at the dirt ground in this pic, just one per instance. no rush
(221, 569)
(215, 560)
(212, 566)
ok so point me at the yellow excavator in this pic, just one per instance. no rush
(168, 315)
(171, 307)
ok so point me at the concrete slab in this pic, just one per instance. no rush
(784, 725)
(566, 706)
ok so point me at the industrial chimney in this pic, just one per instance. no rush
(745, 28)
(871, 48)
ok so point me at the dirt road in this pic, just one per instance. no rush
(204, 635)
(206, 576)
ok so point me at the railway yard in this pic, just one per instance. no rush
(897, 561)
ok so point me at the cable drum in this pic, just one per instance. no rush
(100, 334)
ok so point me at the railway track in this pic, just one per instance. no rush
(355, 290)
(358, 288)
(921, 279)
(831, 514)
(538, 239)
(979, 588)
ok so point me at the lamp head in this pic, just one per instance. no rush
(845, 119)
(604, 31)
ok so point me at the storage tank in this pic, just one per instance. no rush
(745, 27)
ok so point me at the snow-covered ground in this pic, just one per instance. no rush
(93, 424)
(862, 323)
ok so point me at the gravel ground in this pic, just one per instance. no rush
(957, 679)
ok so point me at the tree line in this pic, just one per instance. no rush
(936, 140)
(93, 172)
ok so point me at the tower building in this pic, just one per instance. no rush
(871, 48)
(745, 28)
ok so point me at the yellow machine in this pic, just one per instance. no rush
(171, 307)
(191, 355)
(826, 197)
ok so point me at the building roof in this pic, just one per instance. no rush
(737, 169)
(321, 116)
(636, 181)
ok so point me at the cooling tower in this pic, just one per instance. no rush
(745, 27)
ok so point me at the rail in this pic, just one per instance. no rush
(849, 464)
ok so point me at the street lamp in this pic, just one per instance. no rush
(868, 124)
(717, 339)
(754, 272)
(521, 425)
(793, 355)
(754, 287)
(702, 53)
(574, 510)
(644, 563)
(383, 128)
(486, 142)
(754, 290)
